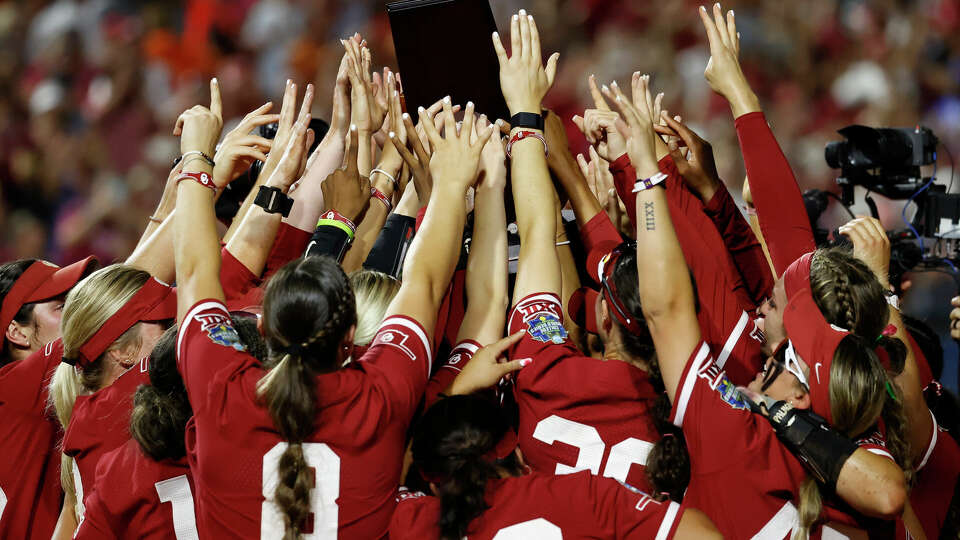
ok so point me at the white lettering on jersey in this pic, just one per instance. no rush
(539, 528)
(396, 338)
(176, 491)
(323, 497)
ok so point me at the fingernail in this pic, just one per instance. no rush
(731, 13)
(525, 362)
(703, 9)
(515, 18)
(614, 84)
(499, 122)
(496, 35)
(396, 93)
(215, 81)
(405, 116)
(530, 18)
(288, 82)
(469, 104)
(421, 110)
(523, 12)
(606, 88)
(391, 134)
(353, 127)
(446, 100)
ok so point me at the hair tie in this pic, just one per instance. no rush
(890, 391)
(665, 435)
(890, 330)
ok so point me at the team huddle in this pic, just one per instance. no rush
(353, 358)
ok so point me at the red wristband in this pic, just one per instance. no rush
(521, 135)
(376, 193)
(201, 178)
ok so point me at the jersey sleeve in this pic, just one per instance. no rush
(715, 417)
(23, 384)
(742, 245)
(415, 517)
(459, 357)
(631, 513)
(875, 443)
(540, 316)
(401, 352)
(624, 177)
(776, 195)
(235, 278)
(290, 243)
(208, 351)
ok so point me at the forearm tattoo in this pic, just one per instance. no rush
(649, 216)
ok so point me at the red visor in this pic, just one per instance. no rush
(40, 281)
(606, 268)
(154, 301)
(582, 308)
(812, 337)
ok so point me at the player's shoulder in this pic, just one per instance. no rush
(415, 515)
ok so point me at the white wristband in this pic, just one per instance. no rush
(647, 183)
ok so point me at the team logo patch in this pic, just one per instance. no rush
(220, 331)
(546, 328)
(730, 395)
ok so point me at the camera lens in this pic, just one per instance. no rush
(834, 153)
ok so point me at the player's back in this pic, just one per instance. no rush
(548, 507)
(581, 413)
(135, 497)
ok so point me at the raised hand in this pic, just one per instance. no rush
(199, 127)
(346, 190)
(293, 158)
(638, 114)
(455, 157)
(488, 366)
(523, 78)
(240, 148)
(723, 72)
(368, 115)
(871, 245)
(493, 157)
(599, 125)
(699, 170)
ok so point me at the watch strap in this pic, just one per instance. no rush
(527, 120)
(273, 201)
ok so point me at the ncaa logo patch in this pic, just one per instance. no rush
(219, 329)
(546, 328)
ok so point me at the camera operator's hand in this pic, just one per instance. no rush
(955, 318)
(456, 157)
(487, 367)
(199, 127)
(346, 190)
(699, 171)
(240, 148)
(523, 78)
(723, 71)
(871, 245)
(641, 139)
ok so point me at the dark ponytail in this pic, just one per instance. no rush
(9, 274)
(161, 409)
(308, 308)
(668, 463)
(451, 446)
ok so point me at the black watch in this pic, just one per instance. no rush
(527, 120)
(273, 201)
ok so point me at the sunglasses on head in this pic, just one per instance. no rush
(776, 366)
(608, 265)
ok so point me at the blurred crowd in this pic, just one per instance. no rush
(90, 89)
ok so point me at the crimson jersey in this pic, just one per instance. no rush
(100, 423)
(547, 508)
(741, 476)
(937, 475)
(30, 469)
(363, 412)
(578, 413)
(459, 357)
(135, 497)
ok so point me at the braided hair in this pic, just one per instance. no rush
(449, 445)
(308, 308)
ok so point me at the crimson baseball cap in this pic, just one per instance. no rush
(582, 308)
(41, 280)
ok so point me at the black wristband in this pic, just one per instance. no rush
(273, 201)
(526, 120)
(330, 241)
(821, 448)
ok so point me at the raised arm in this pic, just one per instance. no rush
(524, 82)
(486, 282)
(436, 248)
(255, 235)
(666, 294)
(780, 209)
